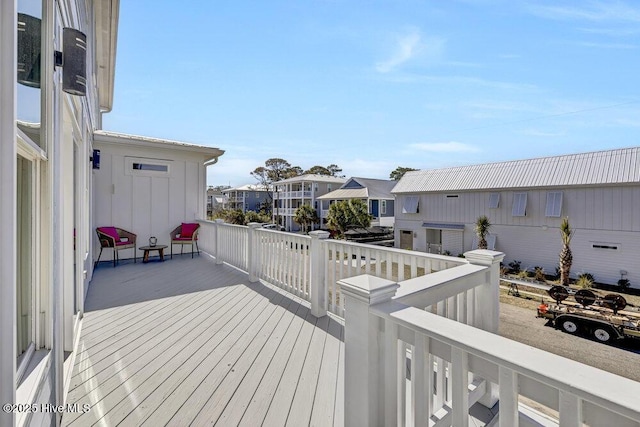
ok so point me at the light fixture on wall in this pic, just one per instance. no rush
(72, 59)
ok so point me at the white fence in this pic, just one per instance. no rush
(452, 365)
(303, 265)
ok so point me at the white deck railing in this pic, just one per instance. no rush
(304, 264)
(436, 314)
(460, 363)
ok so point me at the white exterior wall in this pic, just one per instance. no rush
(598, 214)
(143, 202)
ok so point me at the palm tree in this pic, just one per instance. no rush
(566, 257)
(482, 229)
(305, 215)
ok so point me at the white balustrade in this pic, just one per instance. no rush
(453, 365)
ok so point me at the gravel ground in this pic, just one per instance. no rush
(520, 324)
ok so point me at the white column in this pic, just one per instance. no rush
(364, 369)
(253, 252)
(317, 269)
(8, 185)
(486, 306)
(216, 236)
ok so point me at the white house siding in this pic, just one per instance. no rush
(453, 241)
(598, 214)
(147, 204)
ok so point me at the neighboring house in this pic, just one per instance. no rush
(250, 197)
(56, 187)
(375, 192)
(215, 200)
(291, 193)
(525, 201)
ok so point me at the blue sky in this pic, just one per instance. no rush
(372, 85)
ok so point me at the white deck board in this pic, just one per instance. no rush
(190, 342)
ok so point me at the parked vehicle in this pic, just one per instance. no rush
(603, 318)
(273, 227)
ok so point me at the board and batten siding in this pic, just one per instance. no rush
(147, 204)
(604, 214)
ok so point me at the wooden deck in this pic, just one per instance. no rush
(188, 342)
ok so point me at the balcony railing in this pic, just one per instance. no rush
(420, 332)
(292, 195)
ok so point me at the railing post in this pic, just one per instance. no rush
(253, 251)
(487, 305)
(317, 270)
(364, 371)
(216, 227)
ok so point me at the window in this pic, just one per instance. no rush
(137, 166)
(150, 167)
(554, 203)
(328, 187)
(257, 195)
(383, 207)
(452, 196)
(519, 204)
(410, 204)
(494, 200)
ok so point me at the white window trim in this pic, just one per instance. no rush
(411, 205)
(519, 204)
(554, 204)
(494, 200)
(383, 207)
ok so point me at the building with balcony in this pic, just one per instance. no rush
(250, 197)
(376, 193)
(291, 193)
(525, 201)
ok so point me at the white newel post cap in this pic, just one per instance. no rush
(254, 225)
(484, 257)
(368, 289)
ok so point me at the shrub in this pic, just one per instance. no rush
(515, 266)
(584, 282)
(504, 270)
(624, 284)
(539, 274)
(589, 276)
(523, 274)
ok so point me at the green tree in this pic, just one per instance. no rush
(305, 215)
(251, 216)
(566, 257)
(331, 170)
(399, 173)
(482, 229)
(348, 213)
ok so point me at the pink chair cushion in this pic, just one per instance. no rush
(110, 231)
(187, 229)
(123, 243)
(185, 239)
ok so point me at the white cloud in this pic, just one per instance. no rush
(408, 46)
(444, 147)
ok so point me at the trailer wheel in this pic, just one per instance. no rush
(569, 326)
(602, 334)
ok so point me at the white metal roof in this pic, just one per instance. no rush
(247, 187)
(369, 188)
(621, 166)
(312, 178)
(346, 193)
